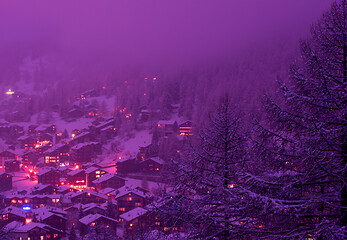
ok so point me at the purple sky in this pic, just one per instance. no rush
(158, 31)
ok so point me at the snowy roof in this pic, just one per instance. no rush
(11, 160)
(156, 159)
(126, 190)
(81, 145)
(39, 187)
(106, 190)
(106, 177)
(14, 210)
(24, 137)
(93, 217)
(46, 212)
(12, 226)
(63, 188)
(127, 158)
(48, 209)
(76, 194)
(82, 135)
(43, 127)
(90, 206)
(44, 171)
(52, 196)
(105, 123)
(114, 202)
(30, 226)
(167, 122)
(133, 214)
(3, 173)
(91, 169)
(75, 172)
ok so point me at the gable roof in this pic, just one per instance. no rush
(30, 226)
(106, 177)
(44, 171)
(133, 214)
(120, 192)
(14, 210)
(93, 217)
(75, 172)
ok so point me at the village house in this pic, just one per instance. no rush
(30, 158)
(46, 137)
(83, 137)
(26, 142)
(5, 182)
(126, 165)
(64, 189)
(34, 230)
(59, 153)
(106, 123)
(94, 208)
(93, 173)
(152, 165)
(53, 217)
(135, 219)
(18, 200)
(107, 133)
(39, 201)
(87, 196)
(43, 189)
(75, 112)
(129, 198)
(12, 165)
(186, 128)
(40, 130)
(49, 176)
(99, 220)
(77, 178)
(151, 150)
(12, 213)
(42, 147)
(5, 155)
(147, 114)
(166, 128)
(85, 152)
(109, 180)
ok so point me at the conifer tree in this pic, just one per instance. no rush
(304, 142)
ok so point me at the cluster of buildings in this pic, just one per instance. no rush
(74, 193)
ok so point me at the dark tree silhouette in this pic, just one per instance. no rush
(305, 142)
(209, 197)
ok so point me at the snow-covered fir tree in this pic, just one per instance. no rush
(304, 142)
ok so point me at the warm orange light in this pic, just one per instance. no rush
(77, 167)
(28, 220)
(231, 185)
(10, 92)
(154, 79)
(131, 225)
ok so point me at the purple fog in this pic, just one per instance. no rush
(173, 119)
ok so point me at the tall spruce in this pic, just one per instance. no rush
(304, 143)
(210, 199)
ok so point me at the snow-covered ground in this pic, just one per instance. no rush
(20, 182)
